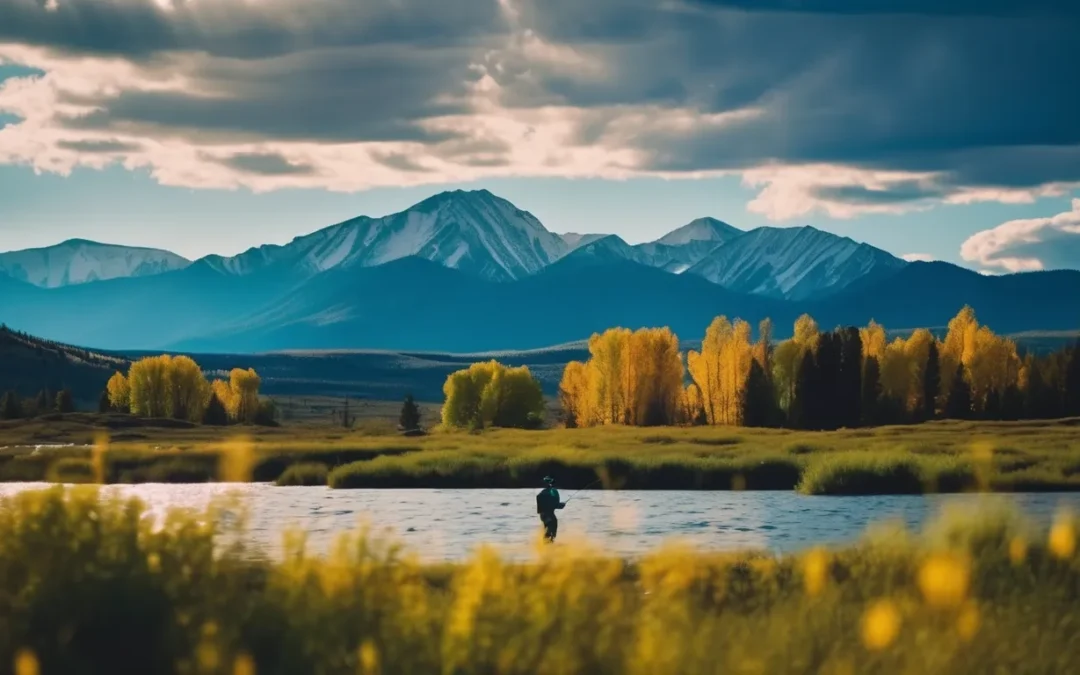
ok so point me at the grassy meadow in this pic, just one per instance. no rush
(91, 584)
(932, 457)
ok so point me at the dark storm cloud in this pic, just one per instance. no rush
(399, 161)
(941, 7)
(896, 193)
(370, 94)
(928, 89)
(265, 164)
(976, 93)
(235, 28)
(103, 147)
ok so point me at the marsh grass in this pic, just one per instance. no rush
(91, 584)
(307, 473)
(934, 457)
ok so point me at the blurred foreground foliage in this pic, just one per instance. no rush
(92, 583)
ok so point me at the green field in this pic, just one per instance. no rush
(87, 585)
(932, 457)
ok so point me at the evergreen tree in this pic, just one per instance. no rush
(1012, 403)
(65, 403)
(931, 382)
(958, 405)
(871, 392)
(410, 414)
(851, 365)
(104, 405)
(805, 409)
(757, 398)
(10, 406)
(215, 413)
(1072, 382)
(42, 402)
(1037, 405)
(828, 405)
(992, 409)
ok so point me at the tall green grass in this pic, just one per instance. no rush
(88, 584)
(934, 457)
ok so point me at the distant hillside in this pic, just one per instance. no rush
(29, 364)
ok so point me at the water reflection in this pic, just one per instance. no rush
(449, 524)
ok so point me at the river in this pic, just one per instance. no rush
(449, 524)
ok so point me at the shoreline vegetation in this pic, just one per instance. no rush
(840, 412)
(941, 456)
(92, 584)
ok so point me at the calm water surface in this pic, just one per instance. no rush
(449, 524)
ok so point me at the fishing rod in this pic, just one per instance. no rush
(584, 488)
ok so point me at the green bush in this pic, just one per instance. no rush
(71, 470)
(308, 473)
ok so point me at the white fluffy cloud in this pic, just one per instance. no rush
(1028, 245)
(844, 107)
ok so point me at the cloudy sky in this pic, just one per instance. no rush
(947, 129)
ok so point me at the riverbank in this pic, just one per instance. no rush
(1030, 456)
(966, 596)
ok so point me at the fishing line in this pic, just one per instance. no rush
(584, 488)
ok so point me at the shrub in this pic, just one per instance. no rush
(857, 473)
(308, 473)
(71, 470)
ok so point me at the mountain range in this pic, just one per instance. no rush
(469, 271)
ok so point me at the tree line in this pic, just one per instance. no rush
(845, 377)
(176, 387)
(13, 407)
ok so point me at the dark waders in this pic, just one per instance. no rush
(547, 502)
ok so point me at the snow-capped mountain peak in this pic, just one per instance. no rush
(474, 231)
(794, 263)
(701, 229)
(574, 240)
(78, 261)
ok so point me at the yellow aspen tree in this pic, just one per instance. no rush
(873, 340)
(659, 376)
(958, 347)
(189, 391)
(245, 386)
(149, 391)
(489, 393)
(119, 392)
(224, 392)
(691, 404)
(607, 351)
(917, 349)
(896, 372)
(573, 394)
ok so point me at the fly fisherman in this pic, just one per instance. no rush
(547, 501)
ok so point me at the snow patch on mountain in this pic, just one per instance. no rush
(78, 261)
(793, 263)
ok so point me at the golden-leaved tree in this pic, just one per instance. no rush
(168, 386)
(788, 358)
(189, 391)
(990, 361)
(244, 385)
(491, 394)
(148, 379)
(631, 377)
(720, 369)
(119, 392)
